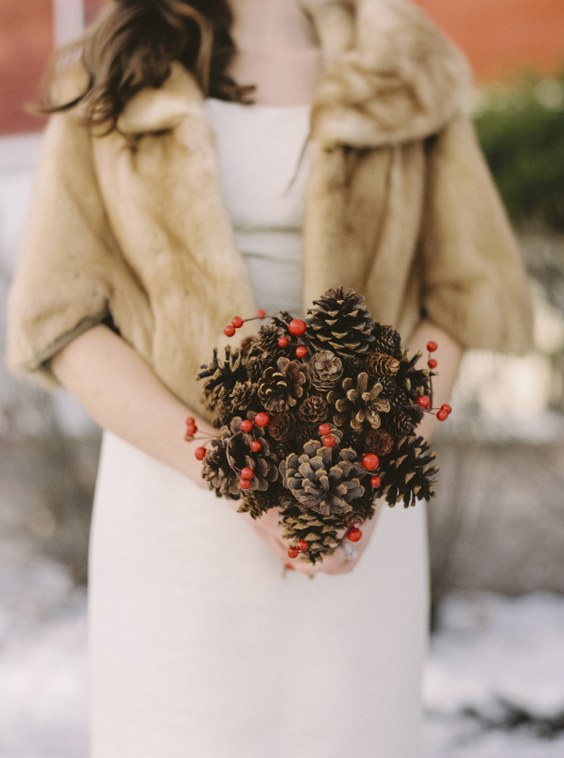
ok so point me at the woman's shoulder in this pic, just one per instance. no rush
(393, 75)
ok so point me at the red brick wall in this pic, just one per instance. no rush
(26, 35)
(504, 36)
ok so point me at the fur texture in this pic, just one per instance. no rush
(399, 206)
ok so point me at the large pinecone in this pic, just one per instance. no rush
(280, 388)
(322, 479)
(408, 473)
(341, 322)
(324, 369)
(321, 533)
(355, 402)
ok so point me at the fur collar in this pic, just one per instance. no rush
(390, 77)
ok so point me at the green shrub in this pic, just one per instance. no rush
(521, 129)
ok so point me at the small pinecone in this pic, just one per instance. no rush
(281, 426)
(248, 346)
(404, 420)
(378, 441)
(220, 376)
(357, 363)
(389, 386)
(413, 380)
(321, 533)
(256, 503)
(255, 368)
(322, 479)
(341, 322)
(242, 396)
(324, 369)
(301, 436)
(263, 465)
(313, 409)
(355, 403)
(267, 341)
(382, 364)
(387, 340)
(408, 474)
(217, 471)
(280, 388)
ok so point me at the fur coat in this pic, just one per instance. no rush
(399, 205)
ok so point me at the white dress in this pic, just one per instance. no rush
(200, 646)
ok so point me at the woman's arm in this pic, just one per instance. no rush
(122, 393)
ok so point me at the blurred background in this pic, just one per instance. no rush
(495, 676)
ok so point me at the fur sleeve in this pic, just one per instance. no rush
(475, 285)
(61, 286)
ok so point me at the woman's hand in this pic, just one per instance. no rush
(269, 530)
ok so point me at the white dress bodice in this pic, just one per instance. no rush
(264, 191)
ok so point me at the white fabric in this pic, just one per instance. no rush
(263, 179)
(200, 646)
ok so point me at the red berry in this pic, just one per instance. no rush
(424, 401)
(442, 415)
(229, 330)
(354, 534)
(328, 440)
(432, 363)
(188, 437)
(324, 429)
(200, 453)
(303, 546)
(237, 322)
(301, 351)
(283, 341)
(432, 346)
(246, 425)
(446, 407)
(297, 327)
(262, 419)
(370, 461)
(376, 481)
(293, 551)
(244, 484)
(256, 446)
(190, 420)
(247, 473)
(261, 313)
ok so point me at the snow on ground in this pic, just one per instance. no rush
(494, 681)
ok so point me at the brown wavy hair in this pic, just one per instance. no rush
(132, 44)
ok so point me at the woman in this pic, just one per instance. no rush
(164, 205)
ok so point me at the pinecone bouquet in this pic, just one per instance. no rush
(317, 417)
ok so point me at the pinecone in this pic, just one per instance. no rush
(355, 402)
(255, 368)
(408, 473)
(382, 364)
(387, 340)
(267, 341)
(322, 479)
(378, 441)
(403, 420)
(239, 456)
(341, 322)
(242, 396)
(413, 380)
(256, 503)
(280, 388)
(217, 471)
(320, 532)
(220, 377)
(313, 409)
(281, 426)
(324, 369)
